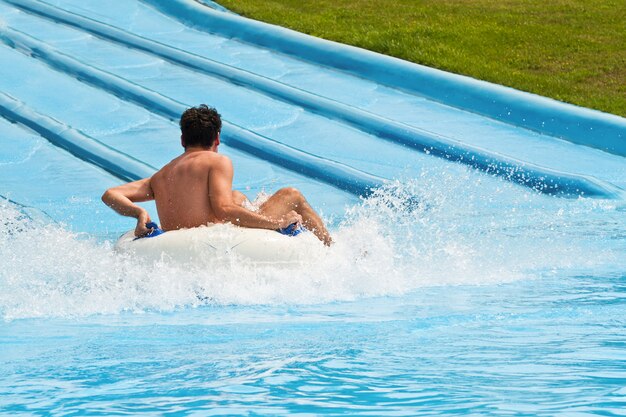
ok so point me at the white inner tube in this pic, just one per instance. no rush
(223, 243)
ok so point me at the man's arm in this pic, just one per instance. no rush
(122, 199)
(221, 199)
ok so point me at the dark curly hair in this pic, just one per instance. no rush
(200, 126)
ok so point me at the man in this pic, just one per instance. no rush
(195, 188)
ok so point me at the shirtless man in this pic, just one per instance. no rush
(195, 188)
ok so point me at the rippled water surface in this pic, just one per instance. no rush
(448, 291)
(431, 302)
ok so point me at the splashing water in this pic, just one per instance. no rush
(432, 231)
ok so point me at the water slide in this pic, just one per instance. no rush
(480, 231)
(93, 91)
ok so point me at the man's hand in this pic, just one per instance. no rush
(122, 199)
(288, 219)
(141, 229)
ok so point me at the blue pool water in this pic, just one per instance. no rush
(517, 311)
(448, 291)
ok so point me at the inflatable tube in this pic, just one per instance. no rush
(223, 244)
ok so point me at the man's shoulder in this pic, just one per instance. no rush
(199, 160)
(218, 159)
(222, 164)
(208, 157)
(211, 161)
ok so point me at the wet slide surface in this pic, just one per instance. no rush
(491, 254)
(116, 66)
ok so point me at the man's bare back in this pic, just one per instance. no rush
(181, 191)
(195, 189)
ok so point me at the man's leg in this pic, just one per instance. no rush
(287, 199)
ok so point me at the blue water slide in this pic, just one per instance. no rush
(104, 84)
(551, 117)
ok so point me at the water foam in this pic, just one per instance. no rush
(436, 230)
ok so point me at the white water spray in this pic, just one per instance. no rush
(437, 230)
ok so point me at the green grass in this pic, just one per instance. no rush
(570, 50)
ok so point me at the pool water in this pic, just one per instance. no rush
(448, 290)
(443, 309)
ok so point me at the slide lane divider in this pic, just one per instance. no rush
(215, 6)
(75, 142)
(325, 170)
(31, 213)
(533, 176)
(573, 123)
